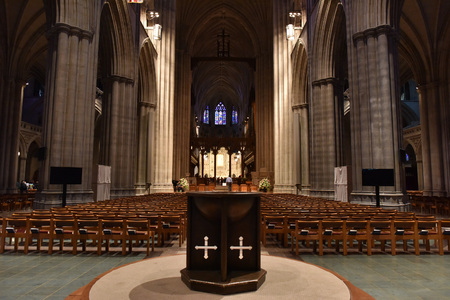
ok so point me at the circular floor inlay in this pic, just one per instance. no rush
(160, 278)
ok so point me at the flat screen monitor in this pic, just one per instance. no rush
(65, 175)
(378, 177)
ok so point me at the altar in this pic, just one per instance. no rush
(223, 242)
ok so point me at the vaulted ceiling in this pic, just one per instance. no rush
(248, 29)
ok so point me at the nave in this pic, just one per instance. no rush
(39, 275)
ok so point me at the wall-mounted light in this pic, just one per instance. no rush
(295, 25)
(157, 32)
(151, 14)
(290, 32)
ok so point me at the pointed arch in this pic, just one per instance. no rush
(329, 44)
(116, 42)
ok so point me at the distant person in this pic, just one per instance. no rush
(23, 187)
(229, 182)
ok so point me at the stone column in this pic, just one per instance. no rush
(11, 93)
(229, 162)
(68, 127)
(375, 112)
(203, 162)
(163, 159)
(283, 114)
(215, 163)
(119, 123)
(145, 140)
(324, 140)
(432, 154)
(181, 157)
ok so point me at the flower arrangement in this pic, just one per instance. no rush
(264, 184)
(184, 184)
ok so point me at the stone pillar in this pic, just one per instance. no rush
(301, 134)
(283, 114)
(432, 154)
(181, 157)
(163, 159)
(11, 92)
(119, 123)
(324, 140)
(215, 163)
(145, 140)
(68, 127)
(203, 162)
(229, 162)
(375, 112)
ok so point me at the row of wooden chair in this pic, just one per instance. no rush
(99, 231)
(342, 233)
(431, 204)
(11, 202)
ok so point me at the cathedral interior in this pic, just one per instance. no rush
(341, 100)
(285, 90)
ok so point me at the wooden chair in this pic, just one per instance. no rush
(276, 225)
(305, 232)
(357, 230)
(14, 229)
(64, 229)
(38, 229)
(112, 230)
(168, 225)
(201, 187)
(139, 230)
(380, 230)
(88, 230)
(444, 231)
(235, 187)
(331, 231)
(244, 187)
(7, 202)
(404, 231)
(427, 230)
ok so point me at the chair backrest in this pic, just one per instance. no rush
(361, 224)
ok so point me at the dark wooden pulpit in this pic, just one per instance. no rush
(223, 242)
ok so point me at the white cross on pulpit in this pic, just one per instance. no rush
(241, 247)
(206, 247)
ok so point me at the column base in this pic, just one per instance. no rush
(52, 198)
(326, 194)
(284, 189)
(210, 281)
(120, 193)
(161, 188)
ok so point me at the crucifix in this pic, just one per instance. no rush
(241, 247)
(223, 51)
(206, 247)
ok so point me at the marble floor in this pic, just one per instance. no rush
(404, 276)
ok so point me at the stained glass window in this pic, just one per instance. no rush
(206, 115)
(221, 114)
(234, 116)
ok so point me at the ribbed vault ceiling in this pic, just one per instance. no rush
(200, 24)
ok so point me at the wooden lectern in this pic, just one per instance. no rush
(223, 243)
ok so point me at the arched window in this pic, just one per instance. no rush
(234, 117)
(206, 115)
(221, 114)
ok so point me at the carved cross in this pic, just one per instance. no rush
(206, 247)
(241, 247)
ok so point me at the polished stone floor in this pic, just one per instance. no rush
(404, 276)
